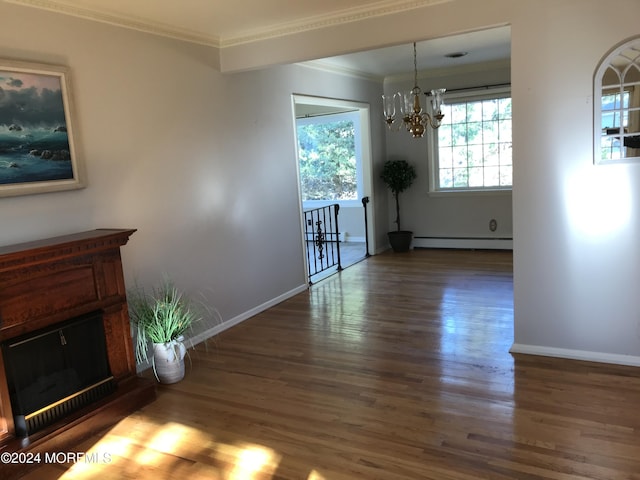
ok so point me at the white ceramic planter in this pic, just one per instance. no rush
(168, 361)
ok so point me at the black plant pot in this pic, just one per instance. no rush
(400, 241)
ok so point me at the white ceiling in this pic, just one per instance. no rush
(223, 23)
(480, 47)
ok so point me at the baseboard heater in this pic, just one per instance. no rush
(497, 243)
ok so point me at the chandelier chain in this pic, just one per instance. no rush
(415, 66)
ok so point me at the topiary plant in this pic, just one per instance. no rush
(398, 175)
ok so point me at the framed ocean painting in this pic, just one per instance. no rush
(37, 151)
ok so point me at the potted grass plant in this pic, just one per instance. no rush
(398, 175)
(160, 320)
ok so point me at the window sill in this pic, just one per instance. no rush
(470, 192)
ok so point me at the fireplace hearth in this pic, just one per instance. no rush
(67, 368)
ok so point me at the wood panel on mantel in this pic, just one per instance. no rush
(396, 369)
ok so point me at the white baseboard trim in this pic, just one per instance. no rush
(473, 243)
(583, 355)
(202, 336)
(352, 239)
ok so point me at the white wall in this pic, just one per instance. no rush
(576, 225)
(352, 223)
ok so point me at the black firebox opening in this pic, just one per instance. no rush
(57, 370)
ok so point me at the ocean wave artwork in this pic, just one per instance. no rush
(34, 138)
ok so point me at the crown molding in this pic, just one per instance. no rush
(331, 68)
(341, 17)
(125, 21)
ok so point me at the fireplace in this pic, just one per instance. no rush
(67, 368)
(55, 371)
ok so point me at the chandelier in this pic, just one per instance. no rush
(413, 118)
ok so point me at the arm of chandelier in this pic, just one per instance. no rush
(435, 121)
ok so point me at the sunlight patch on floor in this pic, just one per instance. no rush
(254, 461)
(138, 448)
(168, 440)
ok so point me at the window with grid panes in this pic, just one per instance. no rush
(473, 144)
(615, 115)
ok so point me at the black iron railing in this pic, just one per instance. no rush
(322, 240)
(365, 201)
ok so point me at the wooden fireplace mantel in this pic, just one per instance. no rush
(49, 281)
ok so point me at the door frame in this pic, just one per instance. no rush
(364, 109)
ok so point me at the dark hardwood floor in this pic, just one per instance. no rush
(396, 369)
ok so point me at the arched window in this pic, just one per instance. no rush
(616, 101)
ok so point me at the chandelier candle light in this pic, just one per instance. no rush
(414, 119)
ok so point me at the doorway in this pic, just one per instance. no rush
(333, 150)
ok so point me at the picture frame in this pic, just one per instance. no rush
(38, 151)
